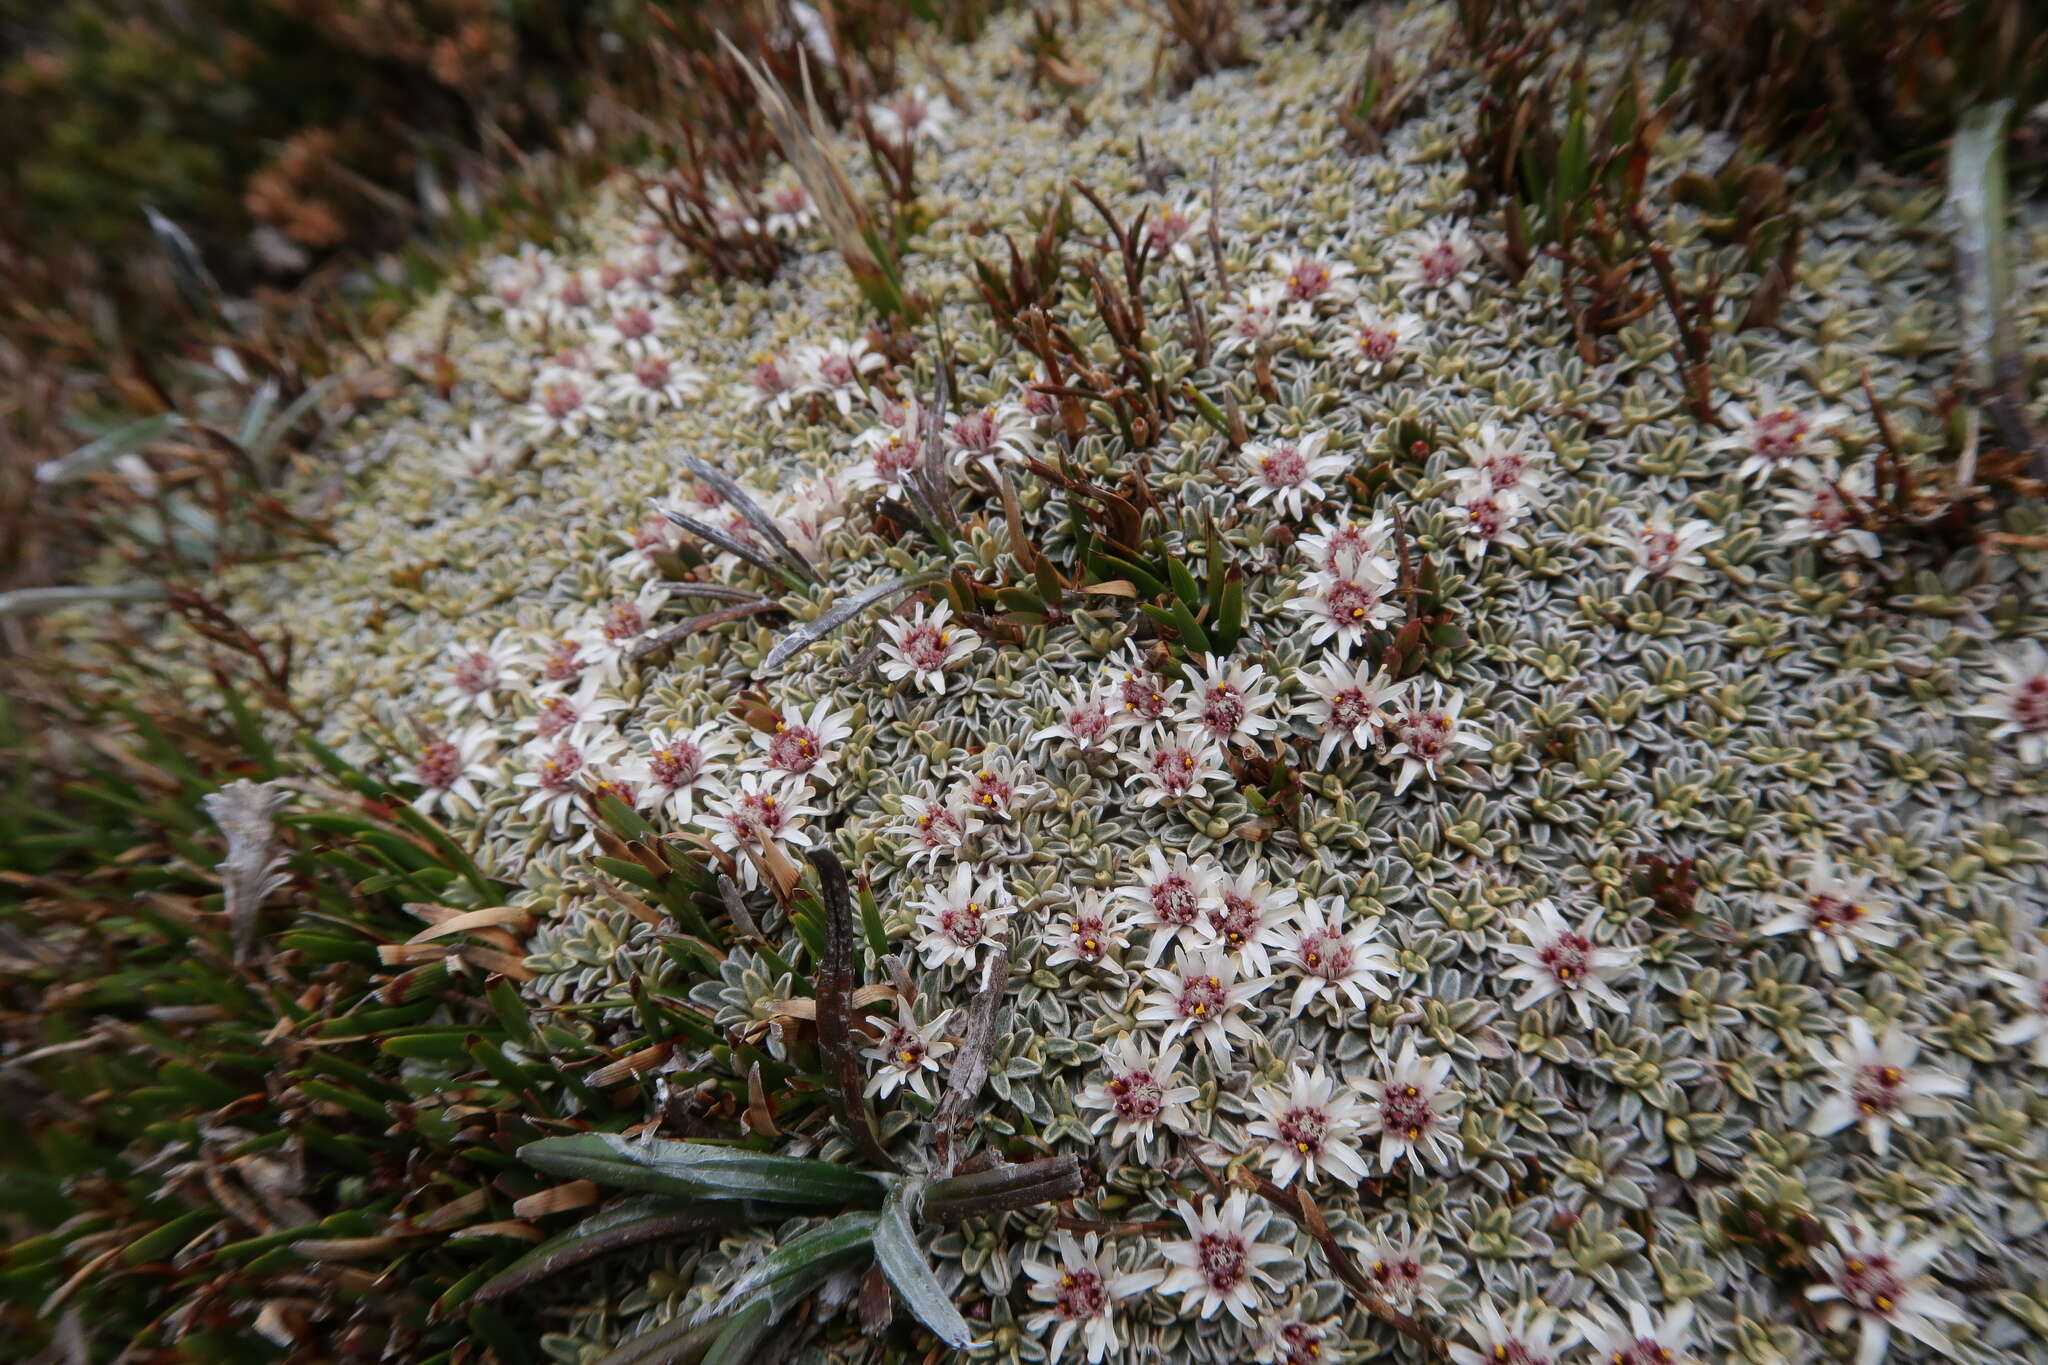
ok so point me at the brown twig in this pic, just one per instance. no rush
(835, 1011)
(1692, 334)
(970, 1063)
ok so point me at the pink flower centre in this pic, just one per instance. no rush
(652, 373)
(1485, 518)
(1397, 1279)
(924, 648)
(1223, 1260)
(911, 111)
(476, 673)
(757, 818)
(651, 534)
(1565, 958)
(623, 620)
(675, 765)
(1237, 921)
(978, 431)
(1348, 602)
(906, 1047)
(1089, 722)
(1174, 901)
(938, 828)
(440, 764)
(768, 378)
(1324, 953)
(1304, 1128)
(559, 398)
(1828, 913)
(1202, 998)
(1504, 468)
(2030, 704)
(1351, 708)
(963, 925)
(1223, 710)
(1778, 435)
(572, 293)
(794, 749)
(1377, 342)
(1405, 1111)
(555, 715)
(991, 791)
(1138, 1095)
(893, 458)
(1438, 263)
(1427, 735)
(1660, 551)
(558, 770)
(837, 370)
(562, 662)
(790, 201)
(1870, 1284)
(1283, 467)
(635, 324)
(1174, 768)
(1301, 1344)
(1090, 937)
(1141, 695)
(1829, 511)
(1878, 1089)
(1165, 231)
(1081, 1294)
(1310, 279)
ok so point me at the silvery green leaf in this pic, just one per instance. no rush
(743, 503)
(268, 435)
(838, 614)
(188, 269)
(27, 601)
(730, 544)
(806, 1260)
(910, 1274)
(97, 454)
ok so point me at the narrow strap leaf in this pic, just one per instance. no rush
(910, 1274)
(743, 502)
(631, 1223)
(846, 1234)
(713, 536)
(838, 614)
(693, 1170)
(678, 1339)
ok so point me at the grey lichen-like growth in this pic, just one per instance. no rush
(247, 815)
(1381, 931)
